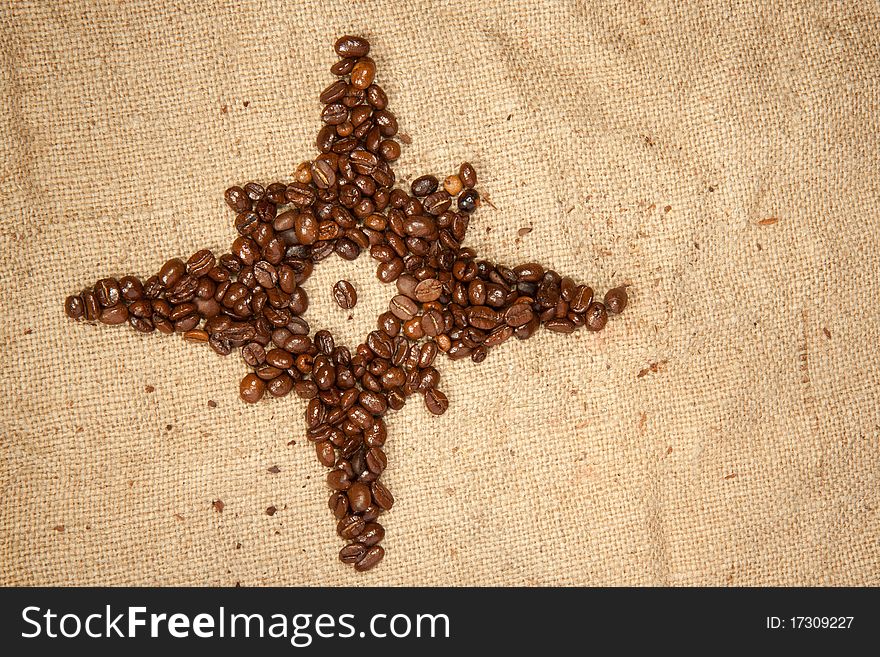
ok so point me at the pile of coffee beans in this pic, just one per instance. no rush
(447, 301)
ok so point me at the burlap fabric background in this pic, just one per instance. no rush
(723, 161)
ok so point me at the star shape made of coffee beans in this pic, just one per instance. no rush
(345, 201)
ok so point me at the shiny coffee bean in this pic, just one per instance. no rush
(345, 295)
(596, 317)
(616, 299)
(351, 46)
(359, 497)
(352, 553)
(436, 402)
(382, 496)
(468, 175)
(424, 185)
(371, 559)
(251, 389)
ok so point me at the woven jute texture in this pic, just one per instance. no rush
(721, 161)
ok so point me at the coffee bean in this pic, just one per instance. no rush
(530, 272)
(436, 402)
(560, 325)
(171, 272)
(351, 46)
(363, 73)
(131, 287)
(453, 185)
(338, 480)
(253, 354)
(615, 300)
(583, 297)
(200, 263)
(350, 526)
(338, 504)
(359, 497)
(468, 175)
(352, 553)
(325, 453)
(107, 292)
(373, 402)
(597, 316)
(432, 323)
(424, 185)
(237, 199)
(376, 460)
(73, 306)
(331, 94)
(280, 386)
(437, 203)
(251, 389)
(323, 173)
(372, 557)
(115, 315)
(382, 496)
(518, 314)
(467, 201)
(345, 295)
(483, 317)
(403, 307)
(420, 226)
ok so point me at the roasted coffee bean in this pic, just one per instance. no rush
(325, 453)
(363, 73)
(171, 272)
(424, 185)
(350, 526)
(331, 94)
(530, 272)
(338, 480)
(467, 201)
(131, 287)
(389, 149)
(237, 199)
(371, 559)
(359, 497)
(583, 297)
(437, 203)
(253, 354)
(483, 317)
(436, 402)
(352, 553)
(382, 496)
(338, 504)
(376, 460)
(345, 295)
(615, 300)
(373, 402)
(468, 175)
(107, 292)
(432, 323)
(372, 534)
(117, 314)
(351, 46)
(200, 263)
(560, 325)
(376, 97)
(73, 306)
(251, 389)
(518, 314)
(597, 316)
(499, 335)
(403, 307)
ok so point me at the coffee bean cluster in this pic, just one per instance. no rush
(345, 202)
